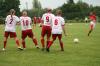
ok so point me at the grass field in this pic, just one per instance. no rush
(85, 53)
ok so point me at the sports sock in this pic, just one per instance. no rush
(61, 45)
(17, 42)
(89, 32)
(47, 43)
(50, 43)
(23, 43)
(35, 42)
(42, 42)
(5, 42)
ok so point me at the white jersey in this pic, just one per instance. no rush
(11, 23)
(57, 24)
(47, 18)
(25, 23)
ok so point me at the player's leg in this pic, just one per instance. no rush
(91, 28)
(60, 41)
(23, 36)
(23, 43)
(51, 42)
(48, 35)
(5, 39)
(35, 42)
(31, 35)
(42, 37)
(13, 35)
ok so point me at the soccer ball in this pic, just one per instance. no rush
(76, 40)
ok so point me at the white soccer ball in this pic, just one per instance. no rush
(76, 40)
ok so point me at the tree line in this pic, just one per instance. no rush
(71, 10)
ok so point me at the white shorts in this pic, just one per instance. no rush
(92, 25)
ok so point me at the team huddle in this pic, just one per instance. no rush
(51, 25)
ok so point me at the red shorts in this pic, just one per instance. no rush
(26, 33)
(54, 36)
(46, 30)
(11, 34)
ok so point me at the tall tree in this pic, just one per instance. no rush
(70, 1)
(6, 5)
(36, 4)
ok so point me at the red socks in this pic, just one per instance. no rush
(17, 42)
(42, 41)
(23, 43)
(61, 45)
(5, 44)
(35, 41)
(50, 43)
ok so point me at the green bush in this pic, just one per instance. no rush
(2, 20)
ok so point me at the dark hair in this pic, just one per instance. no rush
(59, 12)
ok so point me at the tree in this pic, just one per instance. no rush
(70, 1)
(6, 5)
(37, 7)
(36, 4)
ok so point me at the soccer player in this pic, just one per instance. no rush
(35, 20)
(57, 28)
(10, 28)
(46, 27)
(92, 18)
(26, 29)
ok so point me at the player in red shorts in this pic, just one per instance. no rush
(92, 18)
(10, 28)
(57, 28)
(46, 27)
(26, 29)
(35, 20)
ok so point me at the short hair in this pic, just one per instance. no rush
(59, 12)
(48, 9)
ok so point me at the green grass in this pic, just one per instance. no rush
(85, 53)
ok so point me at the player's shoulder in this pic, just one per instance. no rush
(28, 17)
(8, 15)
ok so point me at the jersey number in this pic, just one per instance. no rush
(25, 23)
(47, 18)
(56, 22)
(11, 21)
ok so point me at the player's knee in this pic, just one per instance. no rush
(42, 38)
(5, 39)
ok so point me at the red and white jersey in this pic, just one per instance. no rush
(57, 24)
(47, 19)
(11, 23)
(25, 23)
(92, 18)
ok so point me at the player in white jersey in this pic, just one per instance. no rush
(26, 29)
(46, 27)
(10, 26)
(57, 28)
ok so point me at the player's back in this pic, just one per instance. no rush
(47, 19)
(57, 24)
(11, 23)
(25, 22)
